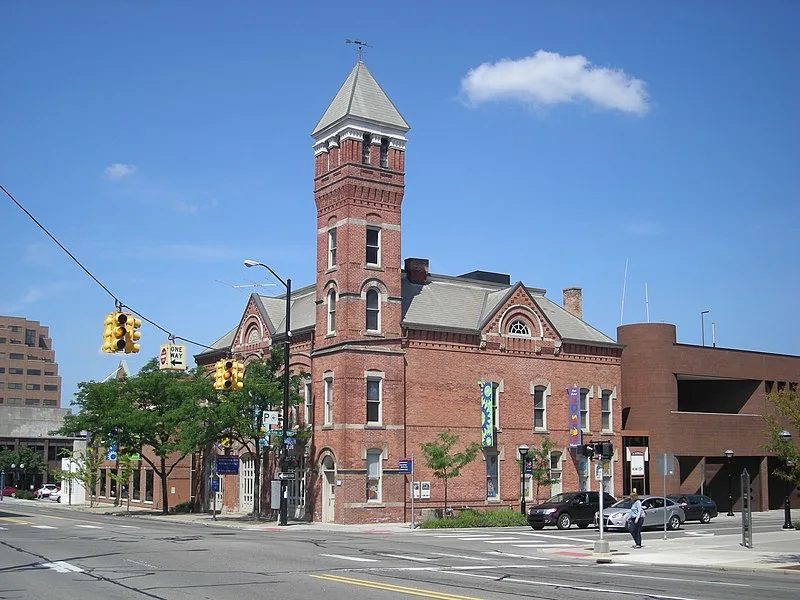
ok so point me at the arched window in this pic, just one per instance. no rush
(520, 328)
(373, 310)
(366, 141)
(332, 311)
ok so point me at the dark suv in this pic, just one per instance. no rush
(696, 506)
(562, 510)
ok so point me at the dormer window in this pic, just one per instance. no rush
(384, 153)
(366, 140)
(519, 328)
(373, 246)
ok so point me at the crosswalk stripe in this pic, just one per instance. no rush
(89, 526)
(42, 527)
(460, 556)
(354, 558)
(502, 540)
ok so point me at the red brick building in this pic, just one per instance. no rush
(395, 354)
(694, 403)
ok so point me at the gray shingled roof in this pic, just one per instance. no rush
(458, 304)
(222, 343)
(360, 96)
(304, 309)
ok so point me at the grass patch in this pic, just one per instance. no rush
(475, 518)
(796, 525)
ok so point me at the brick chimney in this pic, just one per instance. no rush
(573, 301)
(417, 270)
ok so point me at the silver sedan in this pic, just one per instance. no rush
(615, 516)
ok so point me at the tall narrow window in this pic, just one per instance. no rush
(539, 408)
(137, 485)
(373, 401)
(332, 311)
(328, 416)
(307, 411)
(605, 410)
(148, 485)
(555, 473)
(373, 311)
(332, 248)
(584, 409)
(385, 153)
(366, 140)
(492, 479)
(373, 246)
(374, 475)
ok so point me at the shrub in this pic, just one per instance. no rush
(25, 495)
(183, 507)
(474, 518)
(796, 525)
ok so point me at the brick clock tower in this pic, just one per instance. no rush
(357, 361)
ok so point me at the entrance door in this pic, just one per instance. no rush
(247, 475)
(328, 490)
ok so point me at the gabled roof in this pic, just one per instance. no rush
(303, 310)
(465, 305)
(222, 343)
(362, 98)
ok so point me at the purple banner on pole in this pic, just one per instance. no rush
(574, 397)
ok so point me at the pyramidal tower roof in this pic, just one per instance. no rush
(361, 97)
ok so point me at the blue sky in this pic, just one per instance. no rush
(163, 143)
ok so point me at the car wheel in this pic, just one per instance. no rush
(564, 521)
(705, 517)
(674, 522)
(537, 527)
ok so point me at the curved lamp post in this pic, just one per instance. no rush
(787, 501)
(523, 452)
(729, 456)
(284, 507)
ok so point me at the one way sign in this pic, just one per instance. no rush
(172, 357)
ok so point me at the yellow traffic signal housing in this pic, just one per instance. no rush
(237, 376)
(132, 335)
(227, 373)
(219, 380)
(114, 336)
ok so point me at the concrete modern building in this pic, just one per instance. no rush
(394, 354)
(694, 403)
(28, 370)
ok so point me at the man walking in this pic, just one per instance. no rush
(636, 520)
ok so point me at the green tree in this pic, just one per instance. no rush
(539, 457)
(443, 462)
(243, 410)
(85, 467)
(786, 403)
(34, 464)
(122, 477)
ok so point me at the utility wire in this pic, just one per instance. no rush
(97, 281)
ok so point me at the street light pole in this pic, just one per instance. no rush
(729, 456)
(284, 505)
(787, 500)
(523, 452)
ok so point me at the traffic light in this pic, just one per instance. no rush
(588, 450)
(219, 379)
(114, 335)
(606, 450)
(237, 376)
(132, 334)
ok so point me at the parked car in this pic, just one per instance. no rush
(55, 496)
(562, 510)
(696, 507)
(616, 515)
(10, 491)
(46, 490)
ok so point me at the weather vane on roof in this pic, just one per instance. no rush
(361, 45)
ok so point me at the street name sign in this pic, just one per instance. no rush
(172, 357)
(405, 465)
(287, 475)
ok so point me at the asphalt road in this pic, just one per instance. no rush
(46, 552)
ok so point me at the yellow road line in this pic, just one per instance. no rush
(394, 588)
(14, 520)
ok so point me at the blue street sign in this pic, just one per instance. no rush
(215, 484)
(405, 465)
(228, 465)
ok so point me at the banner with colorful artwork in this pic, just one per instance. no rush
(574, 398)
(487, 414)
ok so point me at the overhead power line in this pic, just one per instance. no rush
(117, 301)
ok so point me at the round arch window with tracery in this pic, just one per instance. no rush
(253, 336)
(519, 328)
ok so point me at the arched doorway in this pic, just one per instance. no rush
(247, 475)
(328, 472)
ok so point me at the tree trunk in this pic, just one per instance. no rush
(256, 481)
(163, 476)
(444, 513)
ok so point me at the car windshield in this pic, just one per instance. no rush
(624, 503)
(558, 498)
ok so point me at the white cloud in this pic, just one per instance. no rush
(548, 78)
(118, 171)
